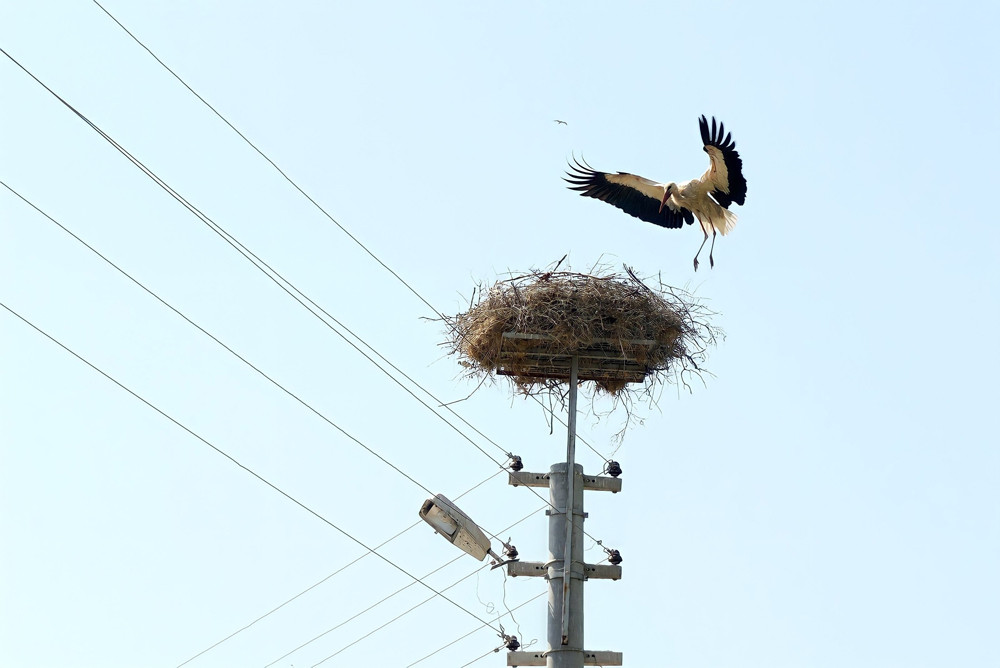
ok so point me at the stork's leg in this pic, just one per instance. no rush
(700, 247)
(711, 260)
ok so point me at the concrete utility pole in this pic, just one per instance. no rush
(544, 329)
(565, 569)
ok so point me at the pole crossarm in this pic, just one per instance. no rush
(590, 658)
(596, 483)
(549, 571)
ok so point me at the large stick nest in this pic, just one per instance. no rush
(623, 331)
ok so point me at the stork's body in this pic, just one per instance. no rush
(695, 196)
(672, 204)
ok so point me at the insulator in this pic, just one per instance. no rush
(614, 557)
(613, 469)
(512, 643)
(515, 463)
(510, 551)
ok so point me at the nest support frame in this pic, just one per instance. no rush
(529, 355)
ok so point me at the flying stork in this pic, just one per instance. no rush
(673, 204)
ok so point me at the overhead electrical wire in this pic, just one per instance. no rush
(336, 572)
(394, 619)
(277, 277)
(226, 347)
(279, 280)
(312, 201)
(271, 162)
(273, 275)
(255, 368)
(371, 607)
(401, 589)
(492, 651)
(478, 628)
(300, 594)
(479, 658)
(237, 463)
(216, 340)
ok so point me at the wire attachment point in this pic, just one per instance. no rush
(515, 462)
(612, 468)
(509, 551)
(509, 641)
(614, 556)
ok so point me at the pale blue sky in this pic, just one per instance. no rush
(828, 499)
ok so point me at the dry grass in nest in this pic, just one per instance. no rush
(631, 338)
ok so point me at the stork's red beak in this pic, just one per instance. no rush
(663, 202)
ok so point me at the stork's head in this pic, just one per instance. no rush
(670, 190)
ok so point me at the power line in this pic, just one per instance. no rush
(339, 570)
(251, 365)
(276, 277)
(271, 162)
(397, 617)
(259, 264)
(559, 419)
(401, 589)
(225, 235)
(479, 658)
(149, 291)
(308, 197)
(230, 350)
(214, 338)
(509, 612)
(237, 463)
(371, 607)
(478, 628)
(273, 275)
(246, 251)
(301, 593)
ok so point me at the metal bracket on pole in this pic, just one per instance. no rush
(589, 658)
(594, 483)
(540, 569)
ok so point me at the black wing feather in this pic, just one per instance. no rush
(723, 141)
(591, 183)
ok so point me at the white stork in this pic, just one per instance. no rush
(673, 204)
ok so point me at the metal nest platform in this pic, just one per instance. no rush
(541, 356)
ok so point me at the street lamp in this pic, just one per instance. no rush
(456, 527)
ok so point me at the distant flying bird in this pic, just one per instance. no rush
(673, 204)
(561, 122)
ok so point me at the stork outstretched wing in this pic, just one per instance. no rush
(726, 172)
(635, 195)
